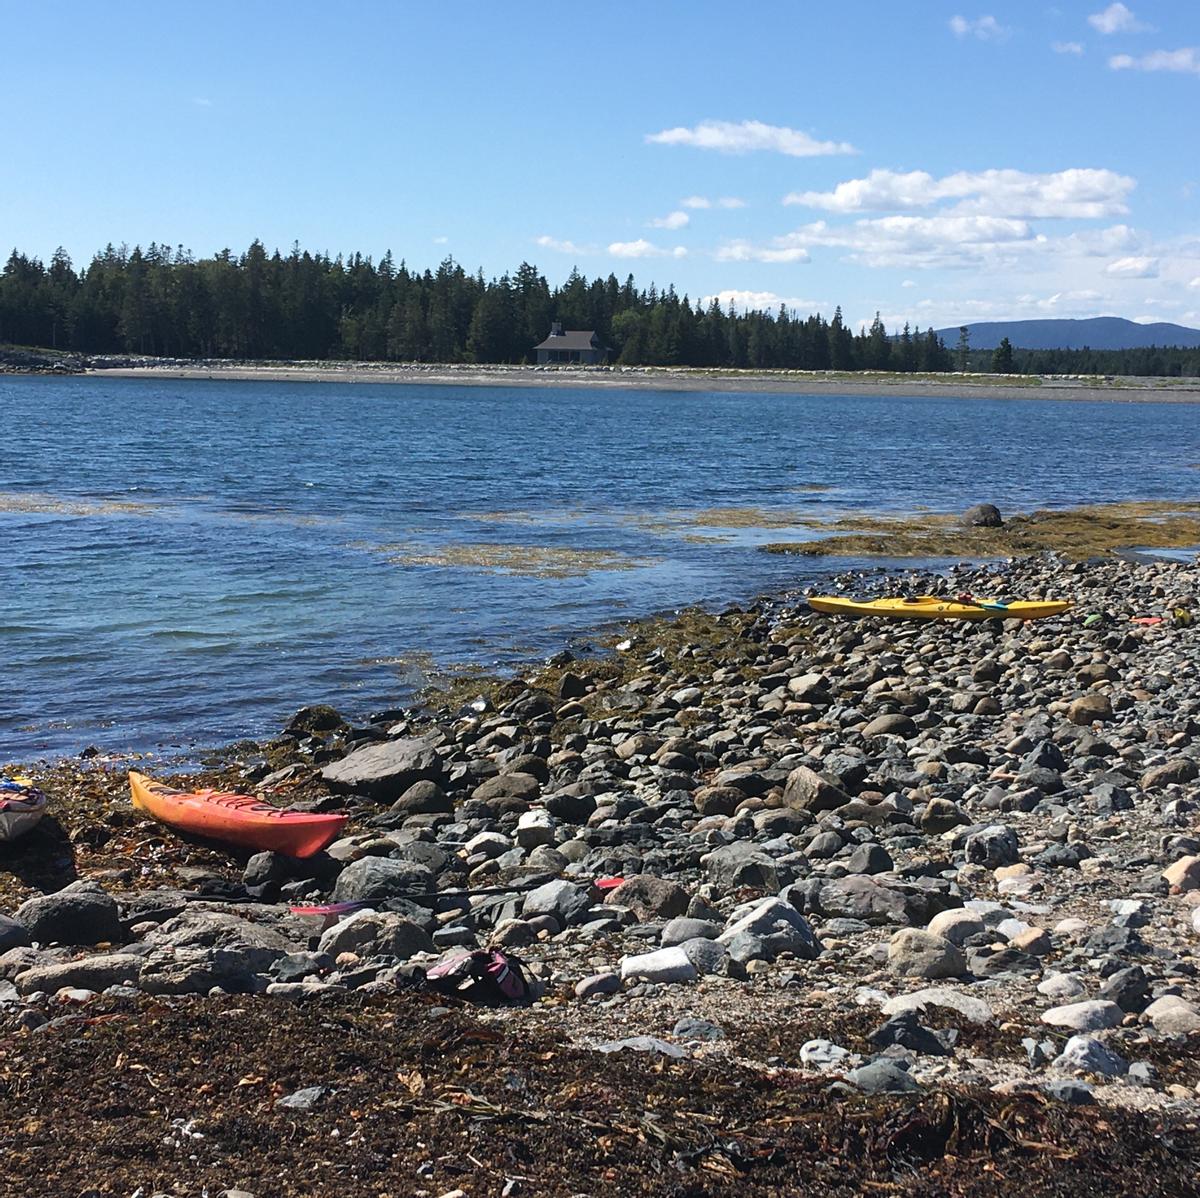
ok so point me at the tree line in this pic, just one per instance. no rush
(166, 302)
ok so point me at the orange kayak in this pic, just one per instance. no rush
(237, 819)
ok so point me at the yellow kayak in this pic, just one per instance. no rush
(935, 607)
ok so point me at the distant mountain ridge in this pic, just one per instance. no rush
(1099, 332)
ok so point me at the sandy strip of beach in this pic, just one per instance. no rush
(1122, 390)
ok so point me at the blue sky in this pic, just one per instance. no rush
(939, 162)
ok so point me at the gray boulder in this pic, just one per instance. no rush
(806, 790)
(384, 771)
(372, 934)
(88, 973)
(12, 934)
(649, 897)
(913, 953)
(80, 913)
(993, 846)
(563, 900)
(983, 515)
(740, 864)
(199, 927)
(372, 879)
(765, 929)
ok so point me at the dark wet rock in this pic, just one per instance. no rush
(765, 929)
(13, 934)
(993, 846)
(424, 798)
(983, 515)
(374, 878)
(904, 1030)
(80, 913)
(870, 859)
(315, 720)
(263, 869)
(690, 1028)
(383, 772)
(1129, 988)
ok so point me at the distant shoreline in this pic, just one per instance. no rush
(658, 378)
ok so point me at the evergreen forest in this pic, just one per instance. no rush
(165, 302)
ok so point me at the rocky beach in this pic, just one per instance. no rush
(805, 904)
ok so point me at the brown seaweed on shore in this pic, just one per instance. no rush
(182, 1095)
(1098, 530)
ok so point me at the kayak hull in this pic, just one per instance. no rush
(20, 812)
(242, 820)
(933, 607)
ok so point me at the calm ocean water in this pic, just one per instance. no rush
(186, 563)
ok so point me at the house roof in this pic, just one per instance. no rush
(571, 339)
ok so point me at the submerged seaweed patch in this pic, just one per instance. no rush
(1092, 531)
(40, 503)
(534, 561)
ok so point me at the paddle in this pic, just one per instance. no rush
(986, 604)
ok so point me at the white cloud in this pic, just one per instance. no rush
(202, 102)
(921, 241)
(777, 251)
(1133, 268)
(1195, 282)
(1077, 193)
(644, 249)
(986, 29)
(1067, 47)
(909, 283)
(743, 137)
(673, 220)
(440, 240)
(705, 202)
(563, 247)
(760, 301)
(1185, 61)
(1116, 18)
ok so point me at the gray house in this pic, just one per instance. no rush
(578, 346)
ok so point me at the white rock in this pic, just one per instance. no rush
(1010, 929)
(956, 925)
(967, 1005)
(824, 1054)
(491, 844)
(662, 965)
(1070, 927)
(1086, 1054)
(1196, 920)
(1172, 1016)
(1061, 985)
(1087, 1016)
(535, 828)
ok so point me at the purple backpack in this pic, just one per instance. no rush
(483, 976)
